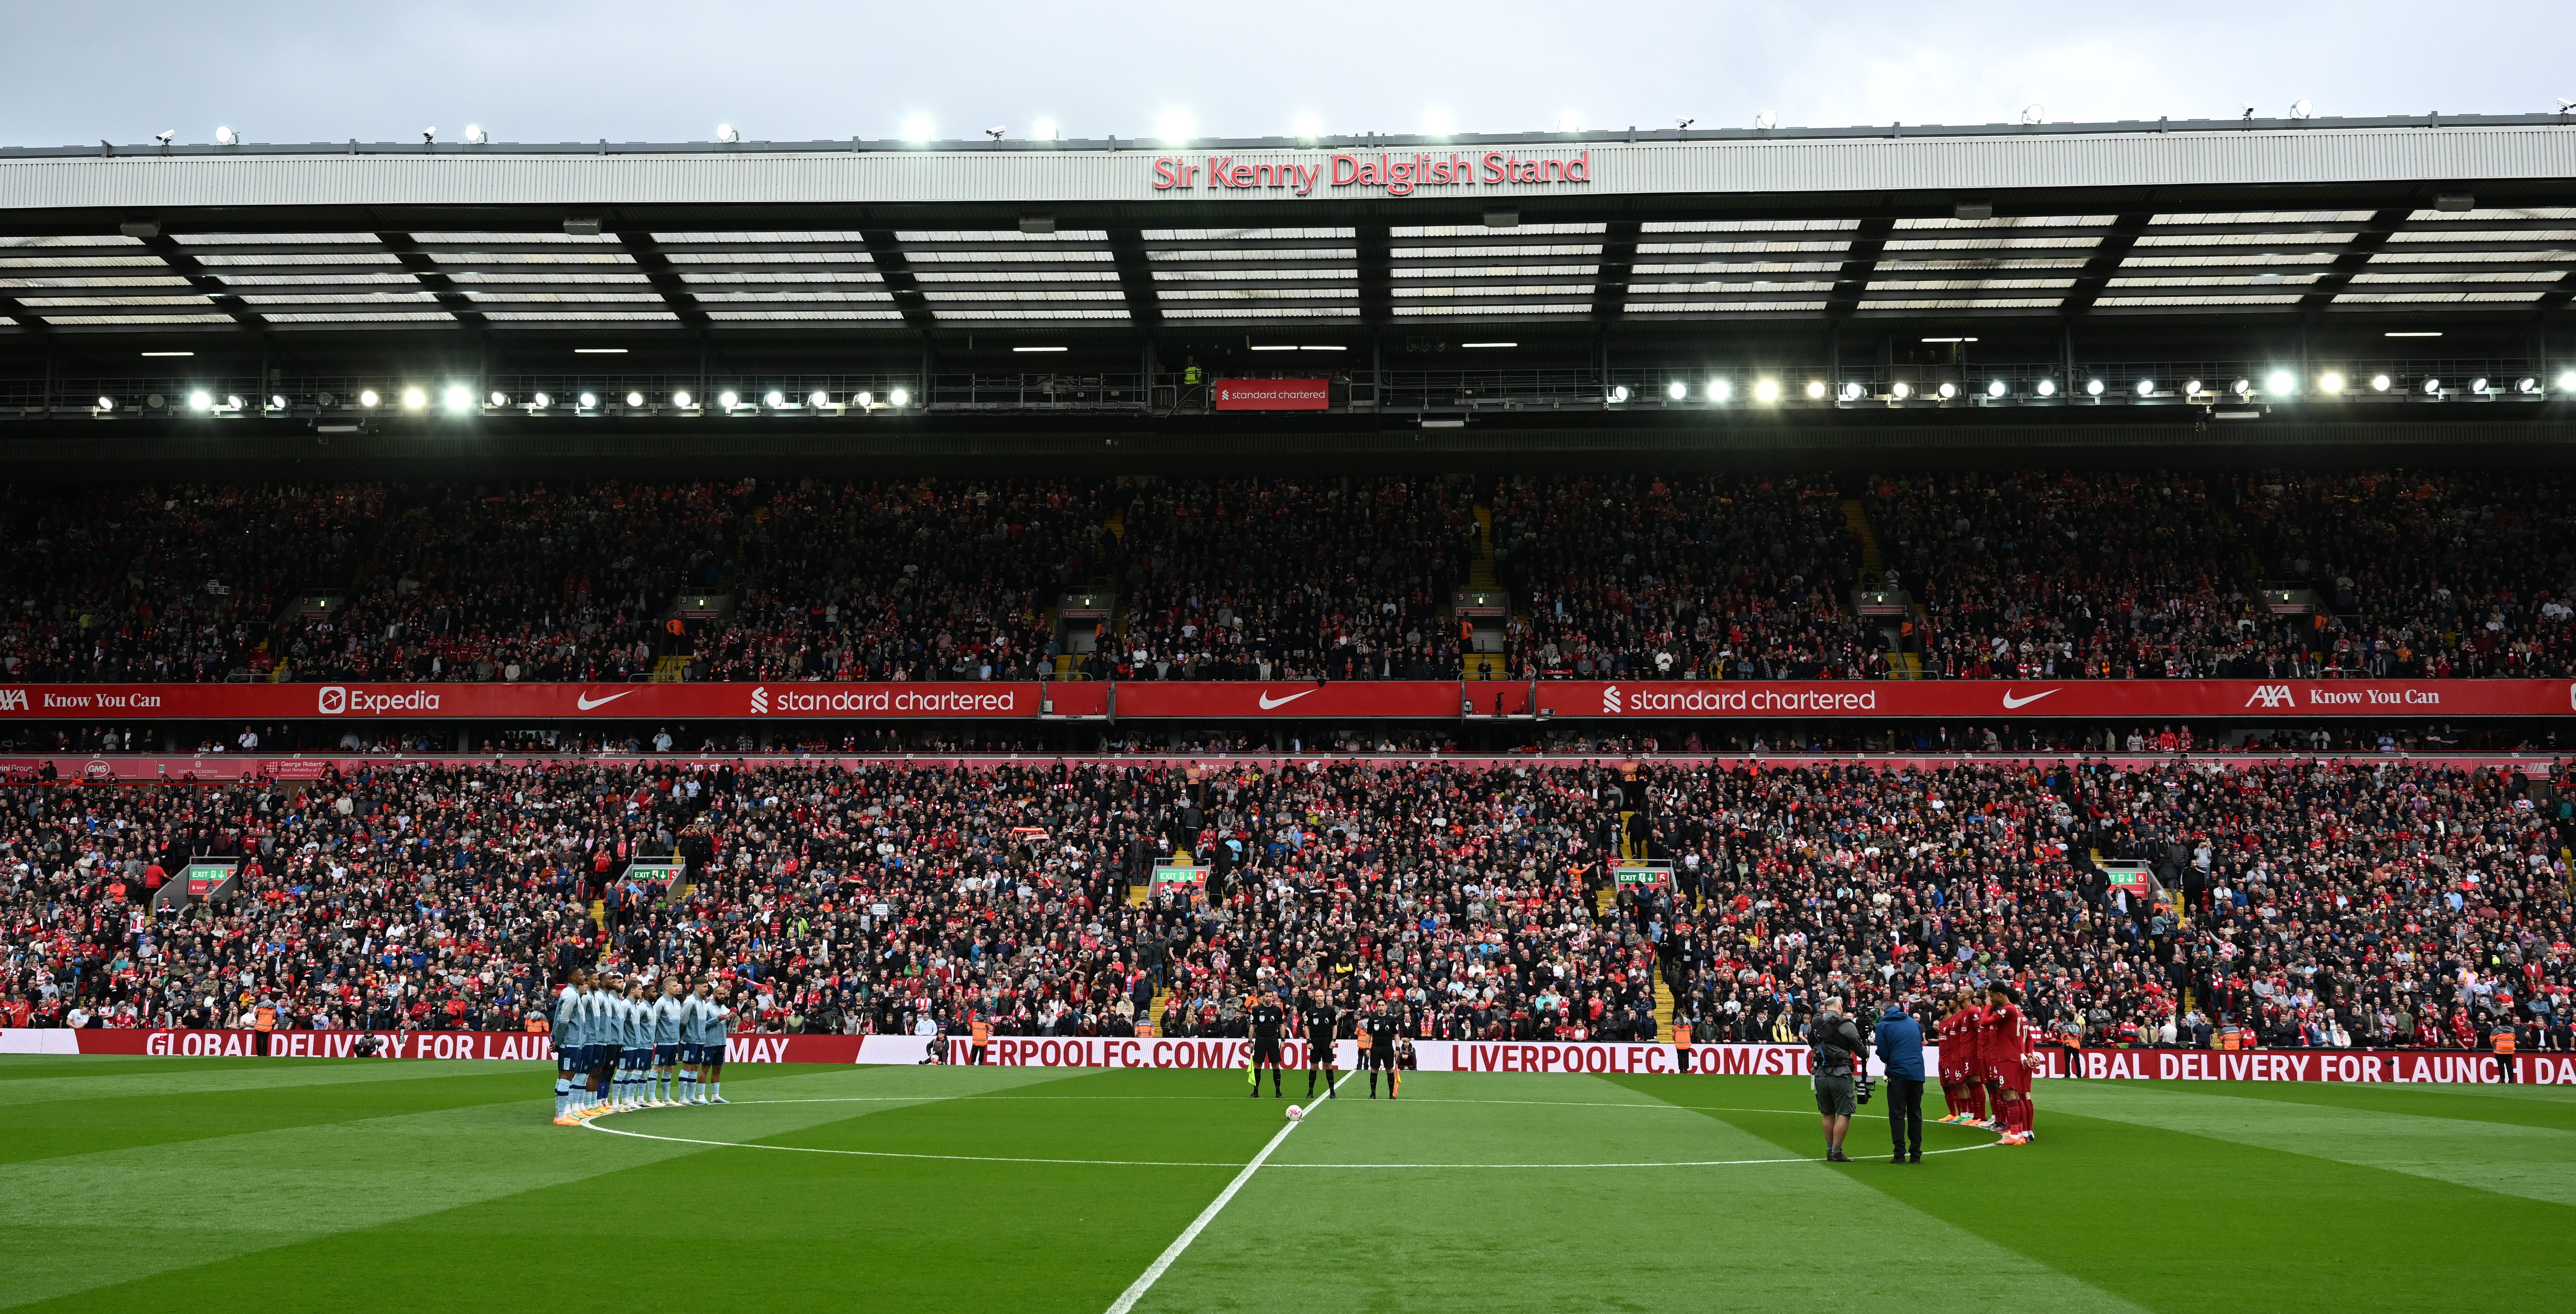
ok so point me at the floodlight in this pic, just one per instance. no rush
(2191, 388)
(1719, 390)
(2092, 387)
(2281, 383)
(541, 401)
(1043, 130)
(459, 399)
(277, 401)
(898, 397)
(2478, 386)
(1174, 128)
(2379, 383)
(367, 397)
(1900, 390)
(475, 134)
(429, 136)
(2567, 381)
(819, 400)
(1307, 126)
(1852, 392)
(107, 403)
(917, 128)
(1815, 390)
(1947, 391)
(165, 135)
(634, 399)
(2432, 387)
(199, 401)
(1998, 388)
(500, 399)
(232, 403)
(726, 132)
(1766, 390)
(1437, 123)
(227, 137)
(865, 400)
(413, 399)
(2146, 387)
(774, 400)
(1677, 390)
(588, 401)
(2526, 387)
(2330, 383)
(2046, 387)
(1619, 392)
(2301, 109)
(2243, 388)
(1766, 120)
(680, 399)
(2033, 115)
(726, 401)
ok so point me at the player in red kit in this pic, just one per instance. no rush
(1956, 1042)
(2013, 1057)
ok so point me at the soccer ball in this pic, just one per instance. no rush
(1295, 1113)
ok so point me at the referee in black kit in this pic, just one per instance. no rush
(1900, 1050)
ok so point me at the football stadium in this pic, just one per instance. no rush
(1669, 718)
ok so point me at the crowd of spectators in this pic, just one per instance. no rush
(2054, 575)
(2239, 576)
(2321, 901)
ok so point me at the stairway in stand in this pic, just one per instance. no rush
(1480, 579)
(1663, 1005)
(1901, 665)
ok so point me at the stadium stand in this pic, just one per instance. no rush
(2039, 574)
(2314, 902)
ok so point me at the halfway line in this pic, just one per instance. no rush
(1145, 1282)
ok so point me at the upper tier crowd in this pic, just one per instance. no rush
(2057, 575)
(2315, 902)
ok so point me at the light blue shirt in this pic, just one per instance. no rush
(571, 1025)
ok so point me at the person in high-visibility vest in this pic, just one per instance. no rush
(1682, 1042)
(978, 1033)
(263, 1021)
(2502, 1039)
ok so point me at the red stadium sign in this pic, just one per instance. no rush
(1631, 700)
(1274, 394)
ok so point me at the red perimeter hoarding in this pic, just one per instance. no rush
(1596, 700)
(1274, 394)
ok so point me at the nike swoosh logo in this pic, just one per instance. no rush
(585, 702)
(2011, 702)
(1267, 702)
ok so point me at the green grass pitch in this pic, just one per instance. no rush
(219, 1185)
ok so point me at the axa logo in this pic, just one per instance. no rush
(1610, 701)
(333, 700)
(2272, 695)
(13, 700)
(759, 699)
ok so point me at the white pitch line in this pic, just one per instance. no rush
(1153, 1273)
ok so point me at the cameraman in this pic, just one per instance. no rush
(1900, 1047)
(1835, 1052)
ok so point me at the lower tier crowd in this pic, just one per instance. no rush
(2312, 902)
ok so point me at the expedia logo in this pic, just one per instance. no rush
(2272, 695)
(1610, 705)
(759, 699)
(335, 700)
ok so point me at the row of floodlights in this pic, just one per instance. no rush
(460, 400)
(2280, 383)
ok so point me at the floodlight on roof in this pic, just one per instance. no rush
(726, 132)
(2301, 109)
(1766, 121)
(917, 128)
(2033, 115)
(227, 137)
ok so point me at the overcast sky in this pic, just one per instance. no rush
(657, 70)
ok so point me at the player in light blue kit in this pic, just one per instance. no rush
(636, 1012)
(571, 1034)
(607, 1038)
(715, 1019)
(670, 1013)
